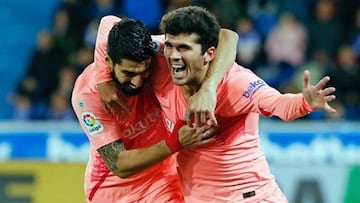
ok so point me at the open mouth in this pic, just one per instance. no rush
(178, 70)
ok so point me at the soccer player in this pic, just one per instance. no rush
(131, 157)
(232, 168)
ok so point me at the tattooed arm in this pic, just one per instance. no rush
(125, 163)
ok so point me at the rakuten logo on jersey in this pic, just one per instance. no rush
(135, 129)
(252, 88)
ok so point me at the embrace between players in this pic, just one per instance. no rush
(172, 118)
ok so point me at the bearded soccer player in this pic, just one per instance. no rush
(131, 158)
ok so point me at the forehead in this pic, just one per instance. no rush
(133, 66)
(183, 38)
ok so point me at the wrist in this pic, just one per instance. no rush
(307, 105)
(172, 141)
(208, 87)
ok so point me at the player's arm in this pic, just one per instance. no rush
(125, 163)
(292, 106)
(288, 106)
(104, 134)
(110, 95)
(202, 104)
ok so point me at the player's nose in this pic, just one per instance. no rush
(137, 81)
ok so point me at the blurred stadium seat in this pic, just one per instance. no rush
(20, 22)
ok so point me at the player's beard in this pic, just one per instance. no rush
(127, 89)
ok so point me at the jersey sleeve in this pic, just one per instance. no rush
(100, 127)
(102, 71)
(244, 92)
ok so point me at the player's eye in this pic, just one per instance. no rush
(129, 74)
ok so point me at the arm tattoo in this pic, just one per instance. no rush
(110, 153)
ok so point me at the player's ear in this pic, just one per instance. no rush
(109, 62)
(209, 55)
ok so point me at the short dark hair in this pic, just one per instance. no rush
(192, 19)
(129, 39)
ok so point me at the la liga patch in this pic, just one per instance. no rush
(93, 125)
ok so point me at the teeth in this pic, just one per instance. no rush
(177, 66)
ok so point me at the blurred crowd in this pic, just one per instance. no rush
(278, 40)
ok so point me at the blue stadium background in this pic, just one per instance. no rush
(315, 159)
(20, 20)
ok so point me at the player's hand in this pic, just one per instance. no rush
(196, 136)
(201, 109)
(318, 96)
(112, 99)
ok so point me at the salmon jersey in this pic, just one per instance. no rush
(141, 128)
(232, 168)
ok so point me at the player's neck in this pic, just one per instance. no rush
(188, 91)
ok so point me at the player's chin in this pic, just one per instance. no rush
(179, 81)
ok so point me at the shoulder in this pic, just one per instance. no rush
(239, 76)
(84, 82)
(85, 95)
(240, 80)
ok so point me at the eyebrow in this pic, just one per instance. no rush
(129, 72)
(182, 45)
(134, 68)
